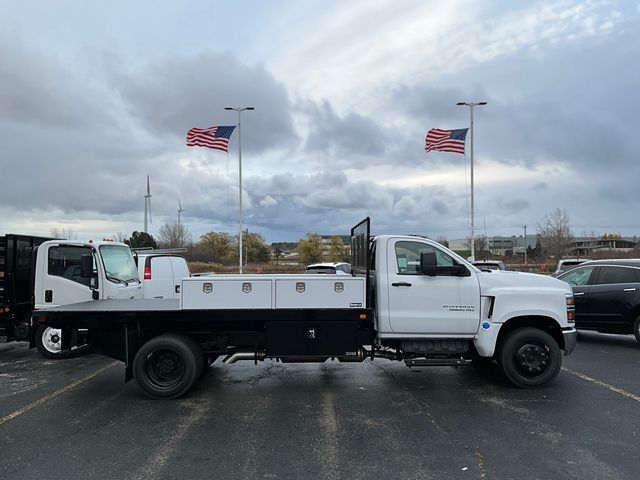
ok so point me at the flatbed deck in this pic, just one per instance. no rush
(113, 305)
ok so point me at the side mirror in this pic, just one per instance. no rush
(86, 266)
(428, 264)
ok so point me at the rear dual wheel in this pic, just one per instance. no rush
(530, 357)
(167, 366)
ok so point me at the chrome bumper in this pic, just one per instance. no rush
(570, 339)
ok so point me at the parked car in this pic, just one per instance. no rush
(339, 268)
(606, 295)
(567, 264)
(490, 264)
(161, 273)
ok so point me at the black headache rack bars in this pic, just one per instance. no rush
(360, 253)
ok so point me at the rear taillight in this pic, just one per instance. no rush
(147, 273)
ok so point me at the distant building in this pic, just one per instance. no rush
(515, 246)
(500, 246)
(588, 246)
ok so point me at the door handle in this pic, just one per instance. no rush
(629, 290)
(401, 284)
(577, 294)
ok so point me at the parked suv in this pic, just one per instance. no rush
(340, 268)
(567, 264)
(606, 295)
(490, 264)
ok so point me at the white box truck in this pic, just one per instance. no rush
(40, 273)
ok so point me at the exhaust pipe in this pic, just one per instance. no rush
(388, 355)
(244, 355)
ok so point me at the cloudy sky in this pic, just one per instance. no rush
(96, 95)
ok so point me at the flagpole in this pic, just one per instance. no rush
(473, 238)
(239, 110)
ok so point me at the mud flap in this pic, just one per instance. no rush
(131, 345)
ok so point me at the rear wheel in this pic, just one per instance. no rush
(49, 342)
(636, 328)
(530, 357)
(167, 366)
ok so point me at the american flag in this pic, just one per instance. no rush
(446, 140)
(212, 137)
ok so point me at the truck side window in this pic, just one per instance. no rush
(408, 257)
(64, 261)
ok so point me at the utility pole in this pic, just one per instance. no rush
(525, 244)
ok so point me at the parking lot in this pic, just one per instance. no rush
(76, 418)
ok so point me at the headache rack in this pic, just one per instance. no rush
(361, 253)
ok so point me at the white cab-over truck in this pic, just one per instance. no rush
(409, 299)
(40, 273)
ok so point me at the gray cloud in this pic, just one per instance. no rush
(173, 95)
(351, 140)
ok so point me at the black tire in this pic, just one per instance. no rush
(636, 328)
(48, 343)
(530, 357)
(167, 366)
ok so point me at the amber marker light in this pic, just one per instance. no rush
(571, 309)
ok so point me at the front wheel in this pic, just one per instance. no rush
(167, 366)
(49, 343)
(530, 357)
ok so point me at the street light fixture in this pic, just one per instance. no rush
(471, 105)
(239, 110)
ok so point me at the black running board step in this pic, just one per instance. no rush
(438, 362)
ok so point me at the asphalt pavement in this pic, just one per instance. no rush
(77, 419)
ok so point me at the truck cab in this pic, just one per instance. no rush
(69, 272)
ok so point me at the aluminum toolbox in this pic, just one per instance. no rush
(235, 292)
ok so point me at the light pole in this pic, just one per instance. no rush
(525, 243)
(239, 110)
(471, 105)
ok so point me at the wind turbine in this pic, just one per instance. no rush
(147, 207)
(180, 210)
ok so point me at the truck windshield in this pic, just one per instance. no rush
(118, 264)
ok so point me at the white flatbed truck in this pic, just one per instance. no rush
(409, 299)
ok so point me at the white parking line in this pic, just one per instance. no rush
(613, 388)
(60, 391)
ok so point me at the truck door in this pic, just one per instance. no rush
(447, 304)
(61, 282)
(180, 270)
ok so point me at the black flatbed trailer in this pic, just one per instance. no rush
(17, 277)
(120, 328)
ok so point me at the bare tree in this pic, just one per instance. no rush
(173, 235)
(64, 233)
(555, 233)
(120, 237)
